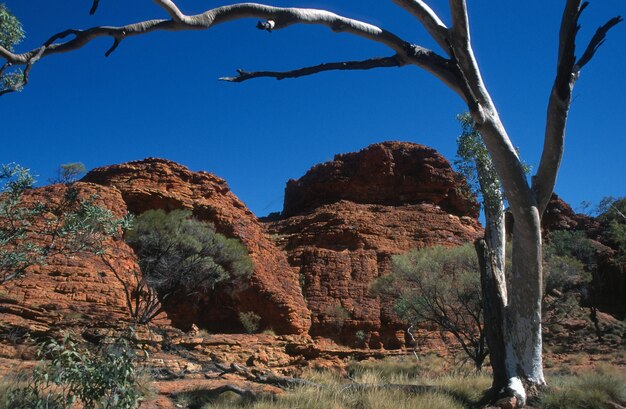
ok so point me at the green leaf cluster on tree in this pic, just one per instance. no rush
(180, 255)
(440, 286)
(612, 214)
(11, 34)
(68, 376)
(33, 230)
(570, 260)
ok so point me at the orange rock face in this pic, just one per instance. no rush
(342, 245)
(69, 290)
(388, 173)
(342, 223)
(273, 291)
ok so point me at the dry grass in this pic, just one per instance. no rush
(388, 384)
(597, 389)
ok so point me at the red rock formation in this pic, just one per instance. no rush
(560, 216)
(389, 173)
(75, 290)
(273, 290)
(341, 247)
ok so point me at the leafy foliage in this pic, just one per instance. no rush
(31, 231)
(250, 320)
(11, 33)
(67, 376)
(473, 162)
(570, 259)
(69, 172)
(612, 213)
(440, 286)
(181, 255)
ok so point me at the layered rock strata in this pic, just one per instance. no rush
(345, 219)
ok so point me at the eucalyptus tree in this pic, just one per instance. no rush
(458, 69)
(11, 33)
(474, 162)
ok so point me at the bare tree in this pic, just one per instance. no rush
(457, 69)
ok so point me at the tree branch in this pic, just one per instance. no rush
(276, 17)
(393, 61)
(460, 20)
(596, 42)
(429, 19)
(94, 7)
(560, 98)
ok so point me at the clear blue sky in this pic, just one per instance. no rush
(158, 94)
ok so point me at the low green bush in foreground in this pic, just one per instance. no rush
(70, 377)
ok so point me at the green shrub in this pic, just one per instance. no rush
(62, 225)
(68, 376)
(182, 256)
(440, 286)
(250, 321)
(337, 314)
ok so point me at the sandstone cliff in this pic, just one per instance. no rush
(70, 290)
(273, 290)
(344, 220)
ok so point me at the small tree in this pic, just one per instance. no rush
(33, 230)
(180, 255)
(570, 260)
(69, 172)
(612, 214)
(440, 286)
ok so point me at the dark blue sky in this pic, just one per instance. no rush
(158, 95)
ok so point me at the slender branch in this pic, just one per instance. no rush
(393, 61)
(560, 98)
(596, 42)
(94, 7)
(460, 20)
(429, 19)
(276, 17)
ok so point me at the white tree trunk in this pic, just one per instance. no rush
(523, 317)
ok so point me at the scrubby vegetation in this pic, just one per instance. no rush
(69, 376)
(180, 255)
(31, 231)
(440, 286)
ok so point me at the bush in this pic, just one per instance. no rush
(181, 255)
(250, 320)
(32, 232)
(612, 214)
(72, 376)
(337, 313)
(440, 286)
(569, 260)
